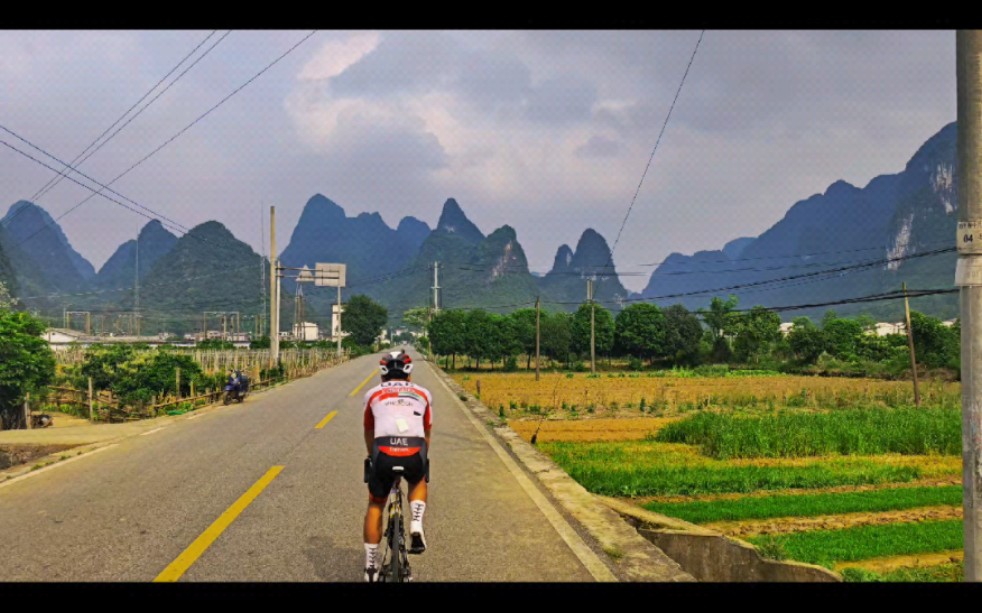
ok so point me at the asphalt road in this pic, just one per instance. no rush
(129, 511)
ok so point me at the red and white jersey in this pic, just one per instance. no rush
(398, 409)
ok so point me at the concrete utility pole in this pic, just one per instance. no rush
(436, 287)
(593, 344)
(536, 338)
(136, 284)
(968, 276)
(910, 344)
(274, 295)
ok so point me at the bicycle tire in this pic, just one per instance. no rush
(395, 564)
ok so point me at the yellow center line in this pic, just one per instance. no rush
(367, 379)
(324, 421)
(189, 556)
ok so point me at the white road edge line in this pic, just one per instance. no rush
(587, 557)
(154, 430)
(56, 465)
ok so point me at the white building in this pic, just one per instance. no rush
(61, 338)
(305, 331)
(335, 322)
(882, 328)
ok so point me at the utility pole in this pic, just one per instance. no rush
(968, 276)
(274, 295)
(910, 343)
(339, 321)
(536, 338)
(136, 284)
(262, 269)
(436, 287)
(593, 351)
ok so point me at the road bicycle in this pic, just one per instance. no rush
(395, 557)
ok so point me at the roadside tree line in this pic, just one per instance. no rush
(648, 335)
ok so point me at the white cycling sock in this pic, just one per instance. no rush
(371, 555)
(418, 507)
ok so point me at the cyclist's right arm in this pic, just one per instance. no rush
(369, 426)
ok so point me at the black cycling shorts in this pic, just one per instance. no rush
(383, 476)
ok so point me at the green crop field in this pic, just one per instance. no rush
(806, 505)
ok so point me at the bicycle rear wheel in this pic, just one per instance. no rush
(395, 563)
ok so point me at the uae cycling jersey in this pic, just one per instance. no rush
(400, 413)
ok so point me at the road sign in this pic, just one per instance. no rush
(329, 275)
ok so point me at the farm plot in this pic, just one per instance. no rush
(842, 473)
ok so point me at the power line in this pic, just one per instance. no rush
(175, 225)
(190, 125)
(795, 255)
(655, 148)
(53, 182)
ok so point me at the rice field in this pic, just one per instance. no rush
(839, 472)
(634, 394)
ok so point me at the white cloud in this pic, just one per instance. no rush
(335, 56)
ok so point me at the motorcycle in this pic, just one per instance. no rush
(236, 389)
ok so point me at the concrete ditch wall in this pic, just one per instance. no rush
(711, 556)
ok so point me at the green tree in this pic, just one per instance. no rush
(26, 364)
(152, 373)
(719, 317)
(721, 321)
(446, 332)
(757, 331)
(6, 300)
(523, 330)
(364, 319)
(682, 334)
(555, 335)
(102, 363)
(842, 335)
(417, 319)
(935, 344)
(603, 323)
(806, 340)
(639, 331)
(479, 335)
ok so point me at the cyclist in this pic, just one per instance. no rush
(398, 418)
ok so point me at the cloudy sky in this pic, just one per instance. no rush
(547, 131)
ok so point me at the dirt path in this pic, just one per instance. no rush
(934, 482)
(785, 525)
(887, 564)
(591, 429)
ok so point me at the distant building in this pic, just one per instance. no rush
(882, 329)
(335, 323)
(61, 338)
(786, 327)
(305, 331)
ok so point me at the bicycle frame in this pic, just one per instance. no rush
(395, 558)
